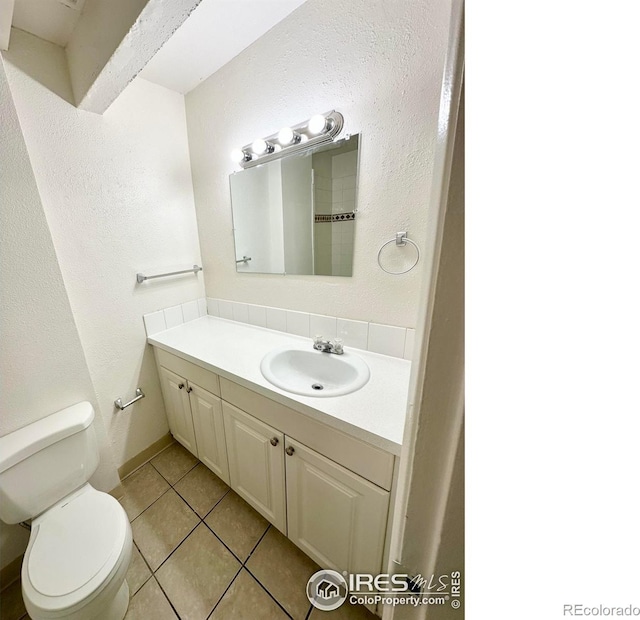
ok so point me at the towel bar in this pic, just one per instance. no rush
(141, 278)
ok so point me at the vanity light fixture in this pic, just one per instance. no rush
(317, 124)
(319, 129)
(287, 136)
(261, 147)
(238, 155)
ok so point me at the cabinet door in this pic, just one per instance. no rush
(176, 401)
(256, 464)
(209, 427)
(334, 515)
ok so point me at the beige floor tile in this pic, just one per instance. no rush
(174, 462)
(141, 489)
(237, 524)
(247, 599)
(138, 572)
(11, 603)
(161, 528)
(345, 612)
(201, 489)
(197, 574)
(149, 603)
(284, 571)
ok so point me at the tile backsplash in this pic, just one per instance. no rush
(384, 339)
(155, 322)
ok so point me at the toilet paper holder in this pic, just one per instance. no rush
(118, 401)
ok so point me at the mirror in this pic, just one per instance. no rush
(296, 215)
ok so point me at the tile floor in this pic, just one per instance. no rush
(201, 552)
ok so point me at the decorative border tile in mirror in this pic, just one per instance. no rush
(374, 337)
(334, 217)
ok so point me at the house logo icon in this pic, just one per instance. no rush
(327, 590)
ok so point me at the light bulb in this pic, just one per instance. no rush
(238, 155)
(259, 146)
(317, 124)
(286, 136)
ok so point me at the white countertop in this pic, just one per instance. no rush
(375, 413)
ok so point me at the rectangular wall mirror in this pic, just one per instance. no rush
(296, 215)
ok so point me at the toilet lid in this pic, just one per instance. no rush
(74, 542)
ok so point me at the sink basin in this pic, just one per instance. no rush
(313, 373)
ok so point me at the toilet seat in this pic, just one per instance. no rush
(75, 549)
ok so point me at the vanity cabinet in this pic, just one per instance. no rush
(208, 423)
(327, 491)
(176, 400)
(335, 516)
(256, 464)
(194, 411)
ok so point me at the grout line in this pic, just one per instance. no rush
(177, 547)
(147, 461)
(210, 511)
(256, 545)
(216, 504)
(148, 568)
(175, 611)
(181, 477)
(229, 548)
(223, 543)
(223, 594)
(151, 504)
(269, 593)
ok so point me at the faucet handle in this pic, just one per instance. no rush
(317, 339)
(337, 344)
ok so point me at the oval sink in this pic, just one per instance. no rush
(313, 373)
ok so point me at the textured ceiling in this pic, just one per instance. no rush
(213, 34)
(51, 20)
(216, 32)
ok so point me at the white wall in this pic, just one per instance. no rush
(380, 63)
(117, 194)
(42, 364)
(257, 219)
(297, 211)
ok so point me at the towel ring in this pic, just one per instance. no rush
(400, 240)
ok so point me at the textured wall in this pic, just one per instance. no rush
(42, 364)
(117, 193)
(380, 63)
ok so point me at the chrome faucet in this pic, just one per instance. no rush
(328, 346)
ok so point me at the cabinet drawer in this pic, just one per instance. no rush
(204, 378)
(370, 462)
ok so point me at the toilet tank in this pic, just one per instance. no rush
(43, 462)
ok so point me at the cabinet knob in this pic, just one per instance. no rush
(274, 441)
(189, 390)
(290, 450)
(180, 386)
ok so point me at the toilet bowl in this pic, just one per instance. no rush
(80, 546)
(77, 559)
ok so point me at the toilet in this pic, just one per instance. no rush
(80, 546)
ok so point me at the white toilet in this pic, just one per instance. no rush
(80, 545)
